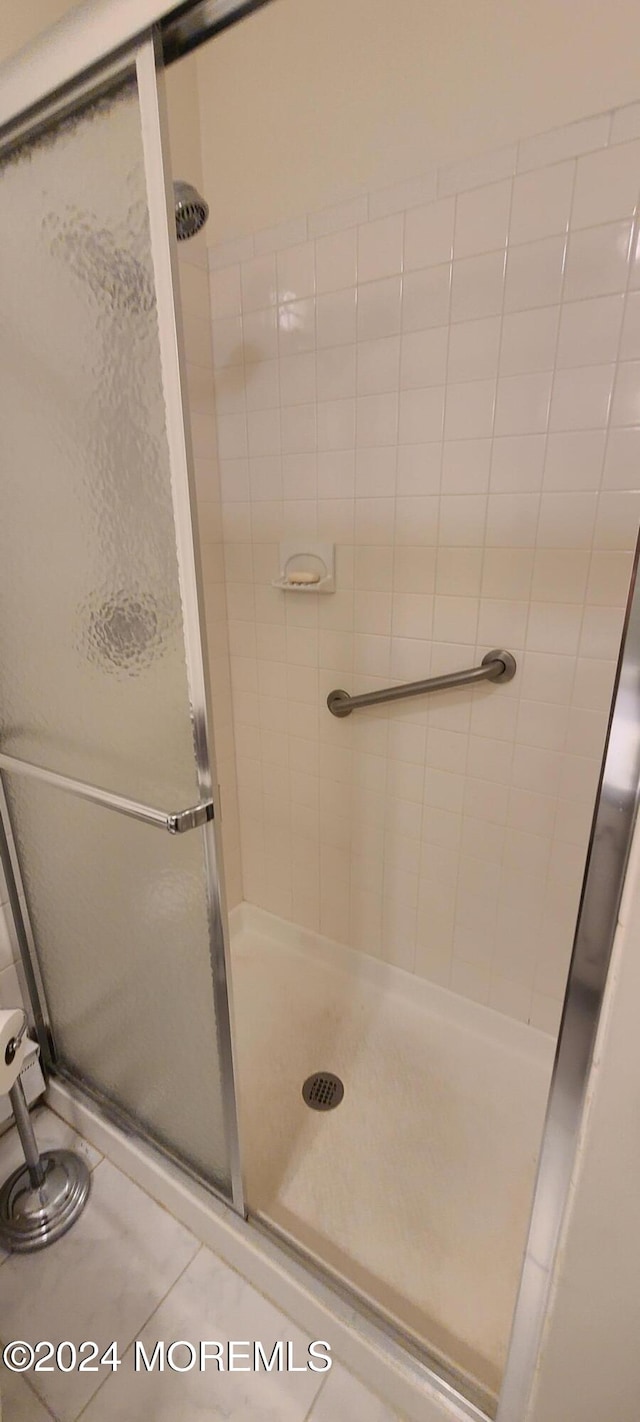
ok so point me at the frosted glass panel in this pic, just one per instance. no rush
(91, 619)
(120, 910)
(93, 672)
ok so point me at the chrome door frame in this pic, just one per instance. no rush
(145, 60)
(90, 37)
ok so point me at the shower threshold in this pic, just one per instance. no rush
(415, 1192)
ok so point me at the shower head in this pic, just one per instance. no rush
(191, 210)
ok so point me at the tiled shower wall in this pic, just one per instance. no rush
(442, 378)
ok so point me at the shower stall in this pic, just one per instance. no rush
(316, 547)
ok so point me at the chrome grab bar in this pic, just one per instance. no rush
(495, 666)
(177, 823)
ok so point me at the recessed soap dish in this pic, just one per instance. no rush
(306, 567)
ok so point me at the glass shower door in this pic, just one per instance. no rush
(103, 721)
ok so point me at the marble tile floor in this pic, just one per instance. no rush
(129, 1270)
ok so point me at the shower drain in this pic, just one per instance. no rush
(322, 1091)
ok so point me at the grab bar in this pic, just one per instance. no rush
(495, 666)
(176, 823)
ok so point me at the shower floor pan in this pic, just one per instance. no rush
(416, 1189)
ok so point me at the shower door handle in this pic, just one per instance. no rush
(176, 822)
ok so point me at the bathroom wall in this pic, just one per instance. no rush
(441, 377)
(308, 99)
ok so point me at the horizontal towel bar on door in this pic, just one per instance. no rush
(496, 666)
(176, 823)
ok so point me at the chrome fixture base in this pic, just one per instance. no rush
(33, 1216)
(506, 672)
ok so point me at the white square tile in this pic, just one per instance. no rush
(522, 405)
(226, 291)
(465, 466)
(630, 343)
(263, 429)
(590, 331)
(622, 463)
(378, 365)
(378, 309)
(377, 419)
(418, 468)
(296, 272)
(376, 472)
(626, 399)
(416, 521)
(336, 260)
(481, 219)
(560, 575)
(502, 623)
(335, 373)
(574, 460)
(598, 261)
(297, 430)
(459, 571)
(607, 185)
(554, 627)
(428, 236)
(534, 274)
(617, 520)
(336, 424)
(380, 247)
(423, 358)
(462, 520)
(232, 436)
(297, 375)
(473, 349)
(415, 570)
(421, 415)
(336, 474)
(581, 397)
(265, 477)
(529, 340)
(336, 318)
(541, 203)
(455, 619)
(262, 385)
(259, 335)
(297, 326)
(469, 409)
(517, 464)
(425, 298)
(567, 520)
(512, 520)
(477, 286)
(259, 283)
(609, 577)
(227, 341)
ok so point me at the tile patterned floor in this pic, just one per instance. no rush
(129, 1270)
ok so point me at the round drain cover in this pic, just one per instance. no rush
(323, 1091)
